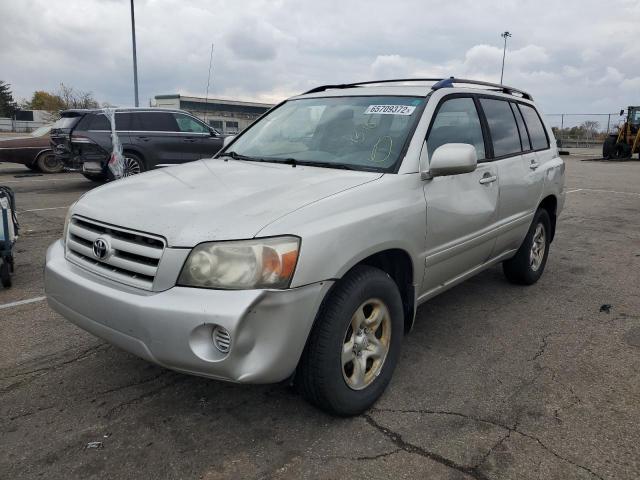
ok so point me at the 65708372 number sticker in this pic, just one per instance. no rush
(389, 110)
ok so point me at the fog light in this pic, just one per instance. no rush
(221, 339)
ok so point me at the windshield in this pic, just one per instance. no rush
(42, 131)
(363, 133)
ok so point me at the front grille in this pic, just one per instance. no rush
(132, 257)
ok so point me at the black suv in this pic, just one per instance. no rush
(150, 137)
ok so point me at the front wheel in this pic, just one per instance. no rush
(526, 267)
(354, 345)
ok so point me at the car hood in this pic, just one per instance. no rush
(213, 199)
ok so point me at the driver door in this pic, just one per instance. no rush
(461, 209)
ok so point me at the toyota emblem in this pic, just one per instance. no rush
(100, 248)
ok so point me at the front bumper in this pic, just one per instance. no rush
(173, 328)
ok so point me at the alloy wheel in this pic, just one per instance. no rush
(366, 344)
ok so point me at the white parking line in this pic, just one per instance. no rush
(41, 209)
(603, 191)
(40, 180)
(22, 302)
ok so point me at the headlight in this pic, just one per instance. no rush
(239, 265)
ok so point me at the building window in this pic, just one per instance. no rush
(217, 124)
(232, 127)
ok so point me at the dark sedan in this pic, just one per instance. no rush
(34, 151)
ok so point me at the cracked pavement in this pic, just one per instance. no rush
(495, 382)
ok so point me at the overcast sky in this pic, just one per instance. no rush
(573, 56)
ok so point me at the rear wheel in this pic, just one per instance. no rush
(133, 164)
(623, 150)
(5, 275)
(354, 345)
(609, 147)
(48, 163)
(526, 267)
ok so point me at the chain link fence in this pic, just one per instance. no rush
(583, 130)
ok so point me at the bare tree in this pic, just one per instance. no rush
(590, 128)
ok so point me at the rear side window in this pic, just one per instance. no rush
(539, 139)
(66, 122)
(154, 122)
(524, 136)
(99, 122)
(457, 121)
(502, 126)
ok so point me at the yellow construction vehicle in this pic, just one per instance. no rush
(626, 142)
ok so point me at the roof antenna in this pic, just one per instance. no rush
(206, 98)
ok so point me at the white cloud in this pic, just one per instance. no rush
(269, 49)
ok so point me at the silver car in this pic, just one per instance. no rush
(303, 249)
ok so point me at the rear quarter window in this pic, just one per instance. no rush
(502, 126)
(539, 140)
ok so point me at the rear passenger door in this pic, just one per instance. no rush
(157, 136)
(513, 156)
(461, 209)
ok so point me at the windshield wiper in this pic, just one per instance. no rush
(237, 156)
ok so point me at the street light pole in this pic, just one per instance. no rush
(135, 59)
(504, 51)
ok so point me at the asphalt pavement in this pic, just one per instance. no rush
(496, 381)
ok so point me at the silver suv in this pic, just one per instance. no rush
(303, 249)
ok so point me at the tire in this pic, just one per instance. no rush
(48, 163)
(5, 275)
(133, 164)
(95, 177)
(608, 147)
(623, 151)
(33, 167)
(323, 377)
(525, 268)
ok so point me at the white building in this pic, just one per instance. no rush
(226, 116)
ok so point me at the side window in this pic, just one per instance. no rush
(524, 136)
(123, 121)
(155, 122)
(457, 121)
(502, 126)
(99, 122)
(188, 124)
(539, 138)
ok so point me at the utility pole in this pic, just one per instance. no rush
(206, 98)
(135, 58)
(504, 51)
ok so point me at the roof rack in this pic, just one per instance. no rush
(440, 83)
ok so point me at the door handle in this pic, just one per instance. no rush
(488, 179)
(533, 165)
(144, 139)
(190, 139)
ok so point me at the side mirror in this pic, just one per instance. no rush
(621, 112)
(452, 159)
(227, 140)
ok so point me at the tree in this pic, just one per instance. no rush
(8, 105)
(42, 100)
(590, 128)
(72, 98)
